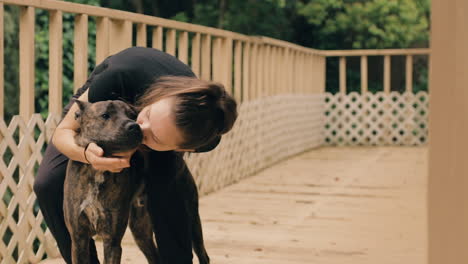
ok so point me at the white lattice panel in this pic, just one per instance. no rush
(23, 235)
(267, 130)
(376, 119)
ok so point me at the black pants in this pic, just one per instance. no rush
(168, 185)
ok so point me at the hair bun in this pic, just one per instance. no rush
(226, 104)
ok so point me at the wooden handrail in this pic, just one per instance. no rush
(374, 52)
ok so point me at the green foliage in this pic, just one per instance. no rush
(265, 18)
(366, 24)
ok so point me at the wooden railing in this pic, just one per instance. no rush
(363, 54)
(279, 86)
(381, 116)
(244, 64)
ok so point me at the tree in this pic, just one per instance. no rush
(365, 24)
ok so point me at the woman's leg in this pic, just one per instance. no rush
(167, 206)
(48, 187)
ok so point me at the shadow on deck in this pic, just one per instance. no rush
(329, 205)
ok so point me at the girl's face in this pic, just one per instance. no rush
(158, 126)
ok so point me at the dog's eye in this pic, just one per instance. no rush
(105, 116)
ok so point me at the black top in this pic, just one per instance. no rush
(127, 74)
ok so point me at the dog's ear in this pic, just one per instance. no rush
(82, 105)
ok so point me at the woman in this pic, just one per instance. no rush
(177, 112)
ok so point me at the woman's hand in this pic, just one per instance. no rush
(94, 155)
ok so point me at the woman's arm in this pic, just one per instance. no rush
(64, 141)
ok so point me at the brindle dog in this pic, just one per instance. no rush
(100, 202)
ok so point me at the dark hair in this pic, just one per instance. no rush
(203, 110)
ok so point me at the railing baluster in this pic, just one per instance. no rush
(102, 39)
(26, 64)
(237, 70)
(80, 60)
(158, 38)
(171, 41)
(246, 64)
(120, 36)
(364, 77)
(409, 73)
(253, 72)
(217, 60)
(196, 54)
(227, 64)
(141, 35)
(343, 75)
(387, 69)
(55, 62)
(206, 57)
(183, 47)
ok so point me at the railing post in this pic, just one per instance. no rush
(55, 62)
(448, 144)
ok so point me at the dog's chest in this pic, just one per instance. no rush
(105, 197)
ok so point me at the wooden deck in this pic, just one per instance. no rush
(329, 205)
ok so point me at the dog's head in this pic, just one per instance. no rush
(109, 124)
